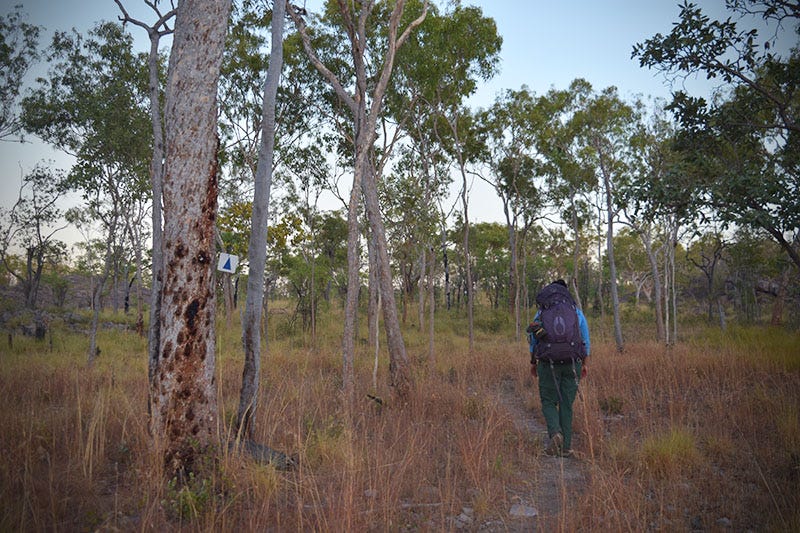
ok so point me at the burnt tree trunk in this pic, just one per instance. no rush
(183, 394)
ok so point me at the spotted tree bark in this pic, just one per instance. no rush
(183, 397)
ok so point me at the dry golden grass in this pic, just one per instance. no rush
(704, 433)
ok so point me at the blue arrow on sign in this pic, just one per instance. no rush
(227, 263)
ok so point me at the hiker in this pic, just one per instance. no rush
(559, 346)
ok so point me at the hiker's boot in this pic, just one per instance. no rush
(555, 445)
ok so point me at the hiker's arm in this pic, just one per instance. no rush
(584, 327)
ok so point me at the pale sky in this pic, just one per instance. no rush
(546, 44)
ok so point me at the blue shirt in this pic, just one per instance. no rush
(582, 325)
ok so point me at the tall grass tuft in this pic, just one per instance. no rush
(670, 452)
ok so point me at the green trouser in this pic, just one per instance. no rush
(558, 386)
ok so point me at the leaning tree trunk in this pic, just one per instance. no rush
(183, 391)
(257, 257)
(364, 121)
(447, 289)
(399, 372)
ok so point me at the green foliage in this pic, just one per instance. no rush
(741, 150)
(449, 54)
(493, 321)
(189, 499)
(19, 43)
(766, 346)
(31, 225)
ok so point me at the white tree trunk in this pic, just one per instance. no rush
(257, 250)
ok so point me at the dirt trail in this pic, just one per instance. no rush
(554, 477)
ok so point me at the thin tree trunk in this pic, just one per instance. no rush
(524, 274)
(351, 301)
(657, 293)
(98, 291)
(674, 244)
(600, 301)
(612, 266)
(431, 310)
(721, 311)
(421, 289)
(364, 121)
(448, 300)
(467, 266)
(154, 32)
(257, 256)
(136, 239)
(667, 338)
(576, 252)
(400, 375)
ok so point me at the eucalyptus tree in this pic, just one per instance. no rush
(511, 127)
(257, 248)
(607, 125)
(155, 32)
(460, 137)
(309, 170)
(489, 241)
(31, 224)
(756, 116)
(411, 222)
(241, 99)
(634, 267)
(656, 198)
(743, 176)
(365, 109)
(462, 48)
(19, 50)
(93, 106)
(437, 70)
(183, 393)
(568, 175)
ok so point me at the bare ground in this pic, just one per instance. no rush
(543, 491)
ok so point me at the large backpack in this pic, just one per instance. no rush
(559, 318)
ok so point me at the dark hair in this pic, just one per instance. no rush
(561, 282)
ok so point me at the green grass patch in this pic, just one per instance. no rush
(669, 453)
